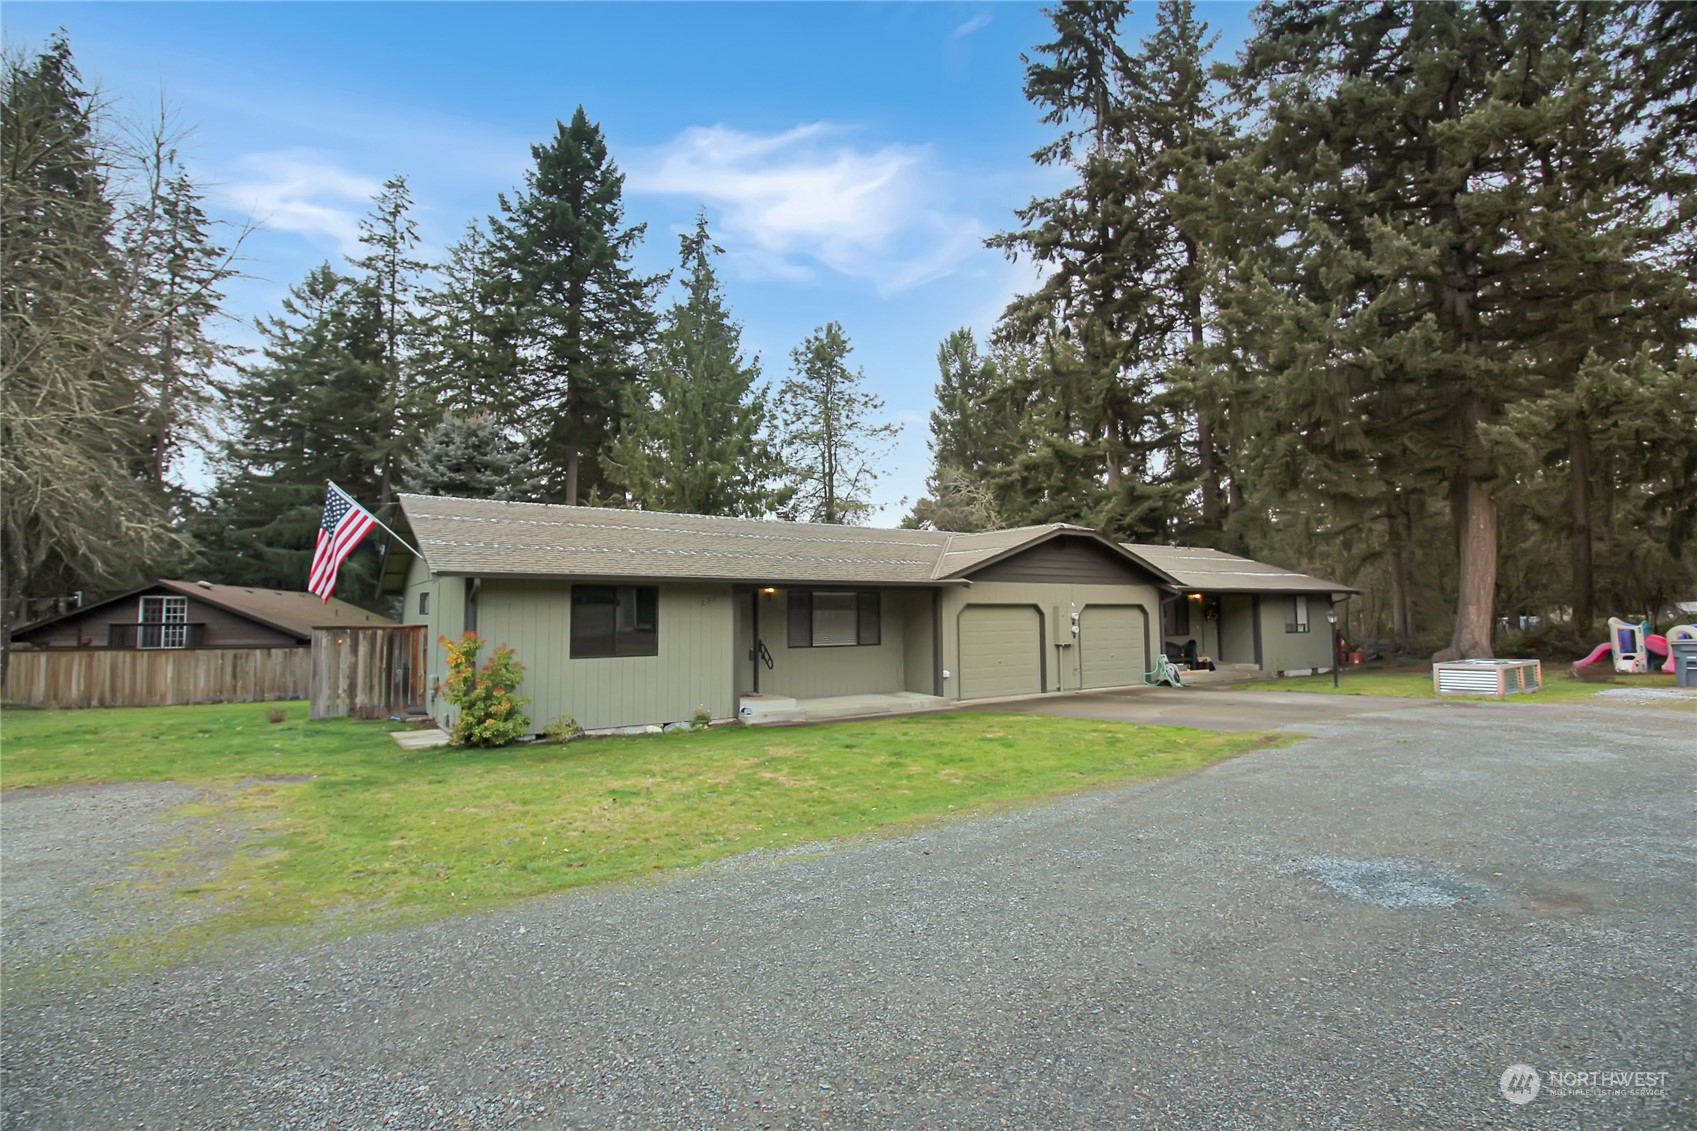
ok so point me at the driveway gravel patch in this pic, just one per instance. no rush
(1162, 955)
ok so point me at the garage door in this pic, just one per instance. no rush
(1110, 645)
(1001, 652)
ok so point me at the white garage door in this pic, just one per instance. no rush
(1001, 652)
(1110, 645)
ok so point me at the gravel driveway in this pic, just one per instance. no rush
(1364, 930)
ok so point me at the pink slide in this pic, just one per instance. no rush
(1659, 645)
(1597, 653)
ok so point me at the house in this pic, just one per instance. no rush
(193, 614)
(1240, 611)
(628, 618)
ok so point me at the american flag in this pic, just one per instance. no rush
(345, 523)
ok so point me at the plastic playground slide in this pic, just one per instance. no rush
(1628, 657)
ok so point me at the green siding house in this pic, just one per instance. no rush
(635, 618)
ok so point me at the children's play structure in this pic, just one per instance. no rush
(1632, 646)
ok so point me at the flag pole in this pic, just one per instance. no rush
(377, 520)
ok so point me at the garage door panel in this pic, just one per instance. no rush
(1111, 645)
(1000, 652)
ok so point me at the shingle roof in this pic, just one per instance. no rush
(485, 538)
(291, 611)
(285, 610)
(1217, 572)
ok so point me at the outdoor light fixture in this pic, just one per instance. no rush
(769, 591)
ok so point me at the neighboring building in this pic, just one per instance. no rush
(1240, 611)
(627, 618)
(194, 614)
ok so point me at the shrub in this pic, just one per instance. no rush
(563, 729)
(490, 713)
(702, 719)
(275, 714)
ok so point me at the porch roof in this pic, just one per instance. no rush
(1212, 571)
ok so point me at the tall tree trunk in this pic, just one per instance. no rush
(571, 477)
(1476, 528)
(1583, 596)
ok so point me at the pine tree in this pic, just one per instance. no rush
(390, 235)
(470, 456)
(695, 439)
(576, 313)
(179, 271)
(830, 448)
(972, 439)
(464, 351)
(311, 410)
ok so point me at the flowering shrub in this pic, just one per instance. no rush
(489, 712)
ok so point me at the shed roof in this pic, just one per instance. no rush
(1214, 571)
(287, 611)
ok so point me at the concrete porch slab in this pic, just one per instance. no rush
(420, 739)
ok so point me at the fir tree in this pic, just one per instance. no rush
(696, 439)
(574, 311)
(464, 351)
(831, 450)
(311, 409)
(389, 235)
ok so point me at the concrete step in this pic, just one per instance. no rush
(758, 710)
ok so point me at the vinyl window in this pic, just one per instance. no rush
(615, 620)
(825, 618)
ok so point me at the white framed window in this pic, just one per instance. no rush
(164, 623)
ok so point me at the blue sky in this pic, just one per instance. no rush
(852, 157)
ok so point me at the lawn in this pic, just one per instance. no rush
(344, 821)
(1560, 686)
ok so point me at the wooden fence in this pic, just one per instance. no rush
(127, 677)
(369, 672)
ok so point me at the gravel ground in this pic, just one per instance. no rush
(1361, 931)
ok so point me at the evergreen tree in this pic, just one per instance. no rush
(464, 357)
(696, 439)
(312, 409)
(470, 456)
(179, 271)
(76, 508)
(831, 450)
(972, 439)
(571, 306)
(390, 235)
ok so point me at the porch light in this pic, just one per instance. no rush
(1196, 596)
(769, 591)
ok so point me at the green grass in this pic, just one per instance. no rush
(346, 823)
(1560, 686)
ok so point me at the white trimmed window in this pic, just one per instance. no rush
(164, 623)
(1298, 614)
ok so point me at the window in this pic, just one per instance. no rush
(424, 604)
(1298, 615)
(1177, 616)
(832, 619)
(615, 620)
(164, 623)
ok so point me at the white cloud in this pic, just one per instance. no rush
(298, 191)
(794, 201)
(976, 23)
